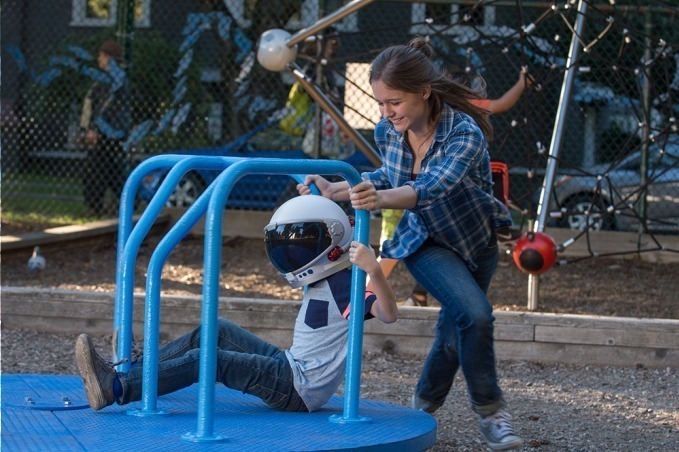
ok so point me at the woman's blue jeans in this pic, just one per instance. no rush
(464, 332)
(244, 362)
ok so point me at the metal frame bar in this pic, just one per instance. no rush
(555, 145)
(213, 240)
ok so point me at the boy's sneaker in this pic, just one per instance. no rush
(506, 234)
(97, 374)
(414, 300)
(498, 431)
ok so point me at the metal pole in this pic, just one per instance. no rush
(609, 6)
(128, 247)
(125, 29)
(182, 227)
(646, 131)
(326, 21)
(212, 263)
(555, 145)
(317, 94)
(326, 104)
(318, 116)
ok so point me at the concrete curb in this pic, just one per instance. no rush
(596, 340)
(73, 236)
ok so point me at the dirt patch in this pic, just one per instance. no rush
(609, 287)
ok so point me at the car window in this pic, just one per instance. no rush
(655, 159)
(632, 163)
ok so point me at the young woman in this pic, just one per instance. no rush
(437, 167)
(504, 103)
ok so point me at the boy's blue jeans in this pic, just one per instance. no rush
(464, 332)
(244, 362)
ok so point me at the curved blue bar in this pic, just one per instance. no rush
(213, 239)
(125, 259)
(125, 286)
(352, 385)
(158, 259)
(127, 197)
(129, 255)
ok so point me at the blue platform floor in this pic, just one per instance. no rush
(57, 418)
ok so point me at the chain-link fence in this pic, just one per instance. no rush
(182, 77)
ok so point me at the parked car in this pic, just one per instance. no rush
(607, 196)
(254, 192)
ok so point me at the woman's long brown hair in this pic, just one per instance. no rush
(410, 68)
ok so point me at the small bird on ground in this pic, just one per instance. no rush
(36, 263)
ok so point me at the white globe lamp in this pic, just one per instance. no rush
(273, 53)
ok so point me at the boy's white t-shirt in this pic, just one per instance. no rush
(319, 346)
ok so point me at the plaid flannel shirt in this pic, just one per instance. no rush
(455, 203)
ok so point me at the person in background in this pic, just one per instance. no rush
(105, 122)
(436, 167)
(304, 117)
(390, 218)
(503, 103)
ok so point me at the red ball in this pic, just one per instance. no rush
(534, 253)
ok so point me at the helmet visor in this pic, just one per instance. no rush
(292, 246)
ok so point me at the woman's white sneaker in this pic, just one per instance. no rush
(498, 432)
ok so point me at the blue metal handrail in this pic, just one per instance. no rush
(130, 239)
(124, 283)
(171, 239)
(213, 240)
(155, 269)
(212, 201)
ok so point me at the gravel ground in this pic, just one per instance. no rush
(555, 407)
(610, 287)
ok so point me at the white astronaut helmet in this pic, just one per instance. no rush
(308, 238)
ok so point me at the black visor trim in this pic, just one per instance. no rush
(292, 246)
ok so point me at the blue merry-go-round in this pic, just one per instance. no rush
(50, 412)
